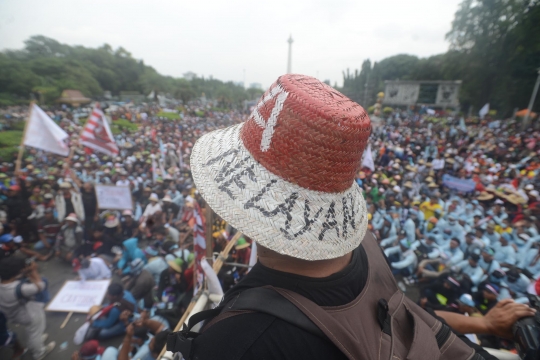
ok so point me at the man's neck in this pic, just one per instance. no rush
(314, 269)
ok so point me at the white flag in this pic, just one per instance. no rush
(43, 133)
(483, 111)
(368, 159)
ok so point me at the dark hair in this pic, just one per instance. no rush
(115, 289)
(141, 333)
(475, 257)
(159, 230)
(161, 340)
(168, 246)
(456, 240)
(11, 267)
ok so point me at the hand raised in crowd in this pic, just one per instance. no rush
(130, 330)
(503, 315)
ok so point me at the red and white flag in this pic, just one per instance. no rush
(97, 135)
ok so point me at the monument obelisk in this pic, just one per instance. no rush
(289, 61)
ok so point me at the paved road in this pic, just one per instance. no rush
(57, 272)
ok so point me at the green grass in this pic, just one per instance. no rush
(168, 115)
(9, 143)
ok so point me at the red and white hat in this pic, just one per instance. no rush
(286, 176)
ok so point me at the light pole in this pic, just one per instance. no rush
(531, 102)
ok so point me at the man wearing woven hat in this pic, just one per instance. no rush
(285, 178)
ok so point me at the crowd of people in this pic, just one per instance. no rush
(453, 204)
(50, 211)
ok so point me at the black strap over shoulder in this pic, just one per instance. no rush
(262, 299)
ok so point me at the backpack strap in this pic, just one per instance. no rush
(18, 292)
(263, 299)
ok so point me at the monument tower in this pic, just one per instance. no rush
(289, 65)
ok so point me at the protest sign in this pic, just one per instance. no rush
(461, 185)
(78, 296)
(114, 197)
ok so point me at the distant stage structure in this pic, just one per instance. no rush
(430, 93)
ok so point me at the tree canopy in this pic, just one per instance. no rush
(47, 67)
(494, 50)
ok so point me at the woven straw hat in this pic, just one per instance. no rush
(286, 177)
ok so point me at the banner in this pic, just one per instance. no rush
(78, 296)
(43, 133)
(114, 197)
(461, 185)
(401, 93)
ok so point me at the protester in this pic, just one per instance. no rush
(108, 324)
(69, 239)
(18, 304)
(93, 269)
(140, 283)
(309, 243)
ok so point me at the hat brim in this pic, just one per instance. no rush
(174, 266)
(243, 246)
(271, 210)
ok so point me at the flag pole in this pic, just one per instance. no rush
(21, 147)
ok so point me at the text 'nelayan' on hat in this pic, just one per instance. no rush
(286, 177)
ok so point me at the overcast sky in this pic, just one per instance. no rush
(222, 38)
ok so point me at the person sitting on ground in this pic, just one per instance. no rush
(140, 283)
(48, 229)
(18, 304)
(92, 269)
(143, 339)
(130, 228)
(109, 323)
(470, 270)
(69, 239)
(131, 252)
(90, 350)
(14, 245)
(402, 258)
(174, 290)
(155, 263)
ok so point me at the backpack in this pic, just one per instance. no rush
(42, 296)
(381, 323)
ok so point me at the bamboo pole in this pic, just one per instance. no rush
(66, 320)
(217, 266)
(209, 215)
(223, 255)
(21, 147)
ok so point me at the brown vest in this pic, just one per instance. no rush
(356, 329)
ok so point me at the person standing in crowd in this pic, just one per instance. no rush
(19, 306)
(69, 239)
(68, 201)
(90, 206)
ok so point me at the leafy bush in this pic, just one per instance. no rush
(168, 115)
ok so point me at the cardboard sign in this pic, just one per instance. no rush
(114, 197)
(78, 296)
